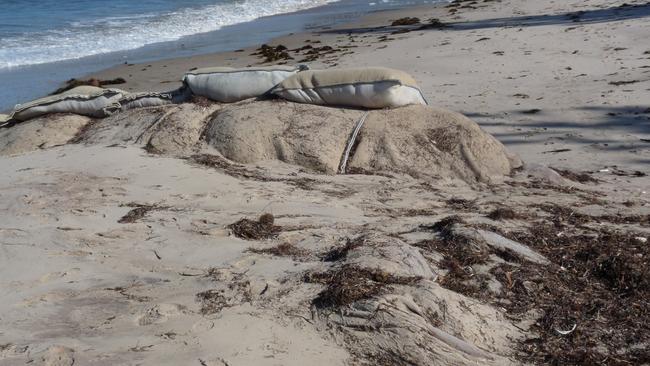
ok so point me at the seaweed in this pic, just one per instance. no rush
(273, 53)
(73, 83)
(576, 177)
(460, 253)
(281, 250)
(339, 253)
(349, 284)
(405, 21)
(138, 212)
(504, 213)
(262, 228)
(461, 203)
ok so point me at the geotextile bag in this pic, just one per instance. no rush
(84, 100)
(371, 87)
(144, 99)
(227, 85)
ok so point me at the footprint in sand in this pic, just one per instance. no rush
(159, 313)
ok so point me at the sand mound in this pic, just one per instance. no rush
(414, 140)
(310, 136)
(41, 133)
(420, 141)
(427, 141)
(173, 129)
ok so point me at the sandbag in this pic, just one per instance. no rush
(227, 85)
(372, 87)
(84, 100)
(144, 99)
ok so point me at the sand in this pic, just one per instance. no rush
(117, 245)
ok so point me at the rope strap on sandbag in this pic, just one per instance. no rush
(353, 139)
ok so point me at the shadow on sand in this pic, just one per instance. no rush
(612, 14)
(632, 121)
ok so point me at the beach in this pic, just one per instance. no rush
(142, 239)
(61, 42)
(583, 84)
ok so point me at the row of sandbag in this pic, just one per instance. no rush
(90, 101)
(372, 87)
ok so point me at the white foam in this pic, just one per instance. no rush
(116, 33)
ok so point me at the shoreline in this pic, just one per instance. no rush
(40, 79)
(555, 90)
(166, 74)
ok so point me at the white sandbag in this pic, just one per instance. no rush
(372, 87)
(144, 99)
(227, 85)
(85, 100)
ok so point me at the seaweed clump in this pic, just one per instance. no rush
(504, 213)
(273, 53)
(341, 252)
(593, 300)
(138, 212)
(350, 284)
(262, 228)
(73, 83)
(460, 252)
(405, 21)
(281, 250)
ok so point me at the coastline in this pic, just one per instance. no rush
(544, 84)
(40, 79)
(164, 75)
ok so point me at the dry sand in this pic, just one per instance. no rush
(118, 247)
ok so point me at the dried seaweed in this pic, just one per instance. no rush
(281, 250)
(137, 213)
(504, 213)
(349, 284)
(576, 177)
(262, 228)
(341, 252)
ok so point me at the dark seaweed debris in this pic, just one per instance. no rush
(349, 284)
(405, 21)
(597, 287)
(600, 284)
(273, 53)
(502, 213)
(281, 250)
(341, 252)
(262, 228)
(138, 212)
(576, 177)
(460, 253)
(73, 83)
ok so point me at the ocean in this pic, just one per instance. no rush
(45, 42)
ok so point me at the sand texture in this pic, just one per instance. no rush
(505, 224)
